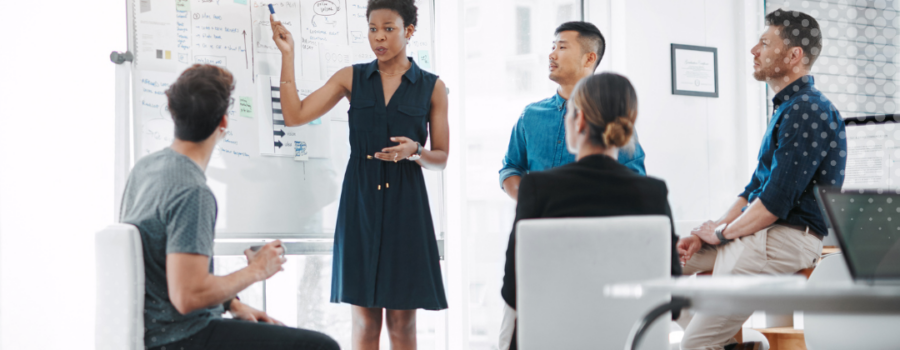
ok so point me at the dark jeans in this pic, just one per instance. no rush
(230, 334)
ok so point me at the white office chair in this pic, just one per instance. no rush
(562, 267)
(843, 331)
(120, 289)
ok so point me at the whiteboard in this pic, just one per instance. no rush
(261, 190)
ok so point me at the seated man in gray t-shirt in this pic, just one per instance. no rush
(168, 200)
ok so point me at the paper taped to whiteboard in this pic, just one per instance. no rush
(278, 139)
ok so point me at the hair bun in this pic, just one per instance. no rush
(618, 132)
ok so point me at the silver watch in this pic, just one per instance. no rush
(720, 234)
(415, 156)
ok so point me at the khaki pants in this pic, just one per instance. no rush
(774, 250)
(507, 326)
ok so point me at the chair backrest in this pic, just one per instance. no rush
(562, 266)
(846, 331)
(120, 288)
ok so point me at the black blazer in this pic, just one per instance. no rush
(594, 186)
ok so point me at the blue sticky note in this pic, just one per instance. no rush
(242, 2)
(316, 122)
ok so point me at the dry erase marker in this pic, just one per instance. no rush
(272, 11)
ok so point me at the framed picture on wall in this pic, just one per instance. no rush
(695, 71)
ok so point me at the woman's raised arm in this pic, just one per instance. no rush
(295, 111)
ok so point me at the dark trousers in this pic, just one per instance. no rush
(514, 344)
(230, 334)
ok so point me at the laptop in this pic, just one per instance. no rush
(867, 226)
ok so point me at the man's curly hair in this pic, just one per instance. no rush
(405, 8)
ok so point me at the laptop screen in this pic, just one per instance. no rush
(867, 225)
(873, 153)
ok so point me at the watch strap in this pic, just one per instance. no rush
(720, 234)
(227, 304)
(417, 155)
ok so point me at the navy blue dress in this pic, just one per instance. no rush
(385, 251)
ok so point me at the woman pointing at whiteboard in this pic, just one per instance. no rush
(385, 252)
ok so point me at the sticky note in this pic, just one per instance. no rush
(183, 5)
(246, 106)
(424, 60)
(300, 151)
(168, 55)
(316, 122)
(242, 2)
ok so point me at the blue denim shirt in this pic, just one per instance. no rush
(538, 142)
(804, 145)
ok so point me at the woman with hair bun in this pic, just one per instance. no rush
(385, 251)
(600, 119)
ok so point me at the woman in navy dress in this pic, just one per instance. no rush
(385, 251)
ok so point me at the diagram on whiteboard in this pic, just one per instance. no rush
(323, 23)
(220, 35)
(278, 139)
(267, 54)
(157, 131)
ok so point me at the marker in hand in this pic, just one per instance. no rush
(272, 11)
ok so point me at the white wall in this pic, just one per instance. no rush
(704, 148)
(56, 166)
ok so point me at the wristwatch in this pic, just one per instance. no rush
(415, 156)
(227, 305)
(720, 236)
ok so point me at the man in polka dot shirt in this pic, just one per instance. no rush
(775, 226)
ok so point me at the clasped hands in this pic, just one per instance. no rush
(705, 233)
(406, 148)
(241, 311)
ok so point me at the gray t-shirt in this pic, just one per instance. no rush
(168, 200)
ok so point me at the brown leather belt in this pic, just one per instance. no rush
(800, 228)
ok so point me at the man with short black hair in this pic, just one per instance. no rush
(168, 200)
(775, 226)
(538, 139)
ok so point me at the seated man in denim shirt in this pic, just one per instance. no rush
(775, 226)
(538, 141)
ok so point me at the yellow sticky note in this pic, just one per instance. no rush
(168, 55)
(246, 106)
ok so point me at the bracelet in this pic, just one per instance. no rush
(287, 82)
(720, 234)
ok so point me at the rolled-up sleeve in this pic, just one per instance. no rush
(804, 140)
(752, 186)
(515, 163)
(632, 156)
